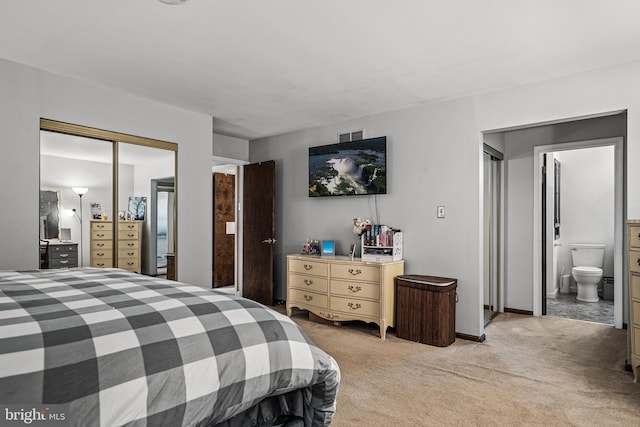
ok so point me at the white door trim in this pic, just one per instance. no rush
(617, 142)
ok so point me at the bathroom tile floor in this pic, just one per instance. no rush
(566, 305)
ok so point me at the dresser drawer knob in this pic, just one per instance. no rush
(64, 255)
(308, 297)
(308, 267)
(99, 245)
(100, 264)
(100, 254)
(130, 244)
(354, 288)
(353, 306)
(100, 235)
(638, 261)
(99, 226)
(308, 282)
(130, 235)
(64, 261)
(131, 253)
(354, 272)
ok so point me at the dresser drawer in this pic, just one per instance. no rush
(636, 312)
(101, 234)
(102, 263)
(101, 226)
(354, 289)
(308, 267)
(62, 250)
(634, 261)
(128, 226)
(127, 244)
(63, 255)
(311, 283)
(309, 298)
(634, 285)
(128, 235)
(63, 263)
(634, 237)
(101, 254)
(354, 306)
(358, 272)
(102, 245)
(131, 264)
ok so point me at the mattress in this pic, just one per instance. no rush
(117, 348)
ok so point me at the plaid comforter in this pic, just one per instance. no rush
(125, 349)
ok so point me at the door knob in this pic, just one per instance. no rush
(269, 241)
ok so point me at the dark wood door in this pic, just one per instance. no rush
(224, 201)
(258, 230)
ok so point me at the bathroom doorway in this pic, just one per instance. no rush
(579, 195)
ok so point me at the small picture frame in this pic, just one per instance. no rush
(328, 248)
(352, 250)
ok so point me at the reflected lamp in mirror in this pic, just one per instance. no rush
(80, 190)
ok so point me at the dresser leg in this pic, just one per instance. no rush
(383, 330)
(288, 310)
(635, 373)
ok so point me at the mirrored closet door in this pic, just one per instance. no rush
(106, 200)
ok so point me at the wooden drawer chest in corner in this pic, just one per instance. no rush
(633, 240)
(341, 289)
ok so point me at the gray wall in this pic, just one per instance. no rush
(230, 147)
(431, 161)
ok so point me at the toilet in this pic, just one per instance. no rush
(587, 269)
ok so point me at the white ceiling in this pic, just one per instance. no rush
(264, 67)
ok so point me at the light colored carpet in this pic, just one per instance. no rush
(530, 371)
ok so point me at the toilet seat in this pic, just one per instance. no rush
(587, 271)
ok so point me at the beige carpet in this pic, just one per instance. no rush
(530, 371)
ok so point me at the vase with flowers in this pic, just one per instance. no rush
(359, 228)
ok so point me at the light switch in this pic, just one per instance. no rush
(440, 211)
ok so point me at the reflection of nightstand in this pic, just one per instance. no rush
(171, 266)
(62, 254)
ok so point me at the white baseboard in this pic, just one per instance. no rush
(553, 294)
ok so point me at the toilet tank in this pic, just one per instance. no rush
(587, 254)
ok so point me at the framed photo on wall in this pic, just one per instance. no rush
(137, 208)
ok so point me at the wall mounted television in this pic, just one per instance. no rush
(348, 168)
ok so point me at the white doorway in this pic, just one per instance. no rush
(552, 243)
(233, 166)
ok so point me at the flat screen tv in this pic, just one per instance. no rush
(348, 168)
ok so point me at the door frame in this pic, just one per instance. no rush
(501, 232)
(619, 219)
(239, 189)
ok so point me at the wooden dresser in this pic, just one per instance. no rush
(129, 245)
(633, 239)
(341, 289)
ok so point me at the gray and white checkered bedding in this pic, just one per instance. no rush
(126, 349)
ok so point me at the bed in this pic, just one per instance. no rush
(111, 347)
